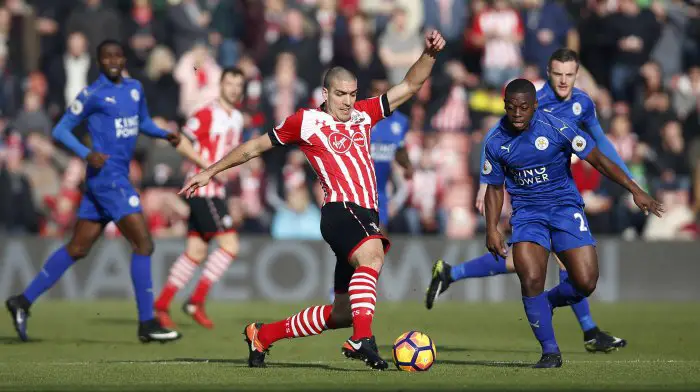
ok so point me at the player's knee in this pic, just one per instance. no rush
(587, 286)
(77, 251)
(230, 247)
(533, 281)
(374, 260)
(144, 246)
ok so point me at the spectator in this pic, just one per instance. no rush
(143, 32)
(198, 75)
(548, 27)
(70, 73)
(96, 21)
(399, 47)
(190, 25)
(162, 91)
(499, 31)
(18, 215)
(298, 219)
(33, 117)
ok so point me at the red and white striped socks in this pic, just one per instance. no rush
(214, 269)
(310, 321)
(363, 298)
(180, 273)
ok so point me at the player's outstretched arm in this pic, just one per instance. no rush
(238, 156)
(608, 168)
(494, 204)
(185, 148)
(418, 73)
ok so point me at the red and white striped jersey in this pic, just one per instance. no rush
(215, 131)
(338, 151)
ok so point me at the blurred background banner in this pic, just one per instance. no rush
(299, 271)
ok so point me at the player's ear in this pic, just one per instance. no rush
(324, 93)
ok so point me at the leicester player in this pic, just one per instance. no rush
(115, 110)
(387, 143)
(560, 98)
(530, 151)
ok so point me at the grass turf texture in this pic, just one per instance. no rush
(81, 346)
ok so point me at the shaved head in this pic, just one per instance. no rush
(336, 74)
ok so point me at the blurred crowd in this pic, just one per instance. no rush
(640, 63)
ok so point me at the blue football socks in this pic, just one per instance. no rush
(539, 315)
(485, 265)
(52, 271)
(581, 309)
(143, 285)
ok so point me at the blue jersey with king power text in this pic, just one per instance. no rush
(387, 137)
(114, 114)
(535, 164)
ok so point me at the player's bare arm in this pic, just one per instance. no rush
(608, 168)
(418, 73)
(185, 148)
(493, 201)
(238, 156)
(401, 157)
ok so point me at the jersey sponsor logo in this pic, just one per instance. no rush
(135, 95)
(576, 108)
(339, 142)
(530, 176)
(487, 169)
(579, 143)
(359, 139)
(134, 201)
(541, 143)
(126, 126)
(76, 107)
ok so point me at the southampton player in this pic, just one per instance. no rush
(115, 110)
(388, 149)
(560, 98)
(216, 129)
(335, 139)
(530, 151)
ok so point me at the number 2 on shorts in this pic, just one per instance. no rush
(582, 227)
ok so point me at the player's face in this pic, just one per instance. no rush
(340, 98)
(232, 88)
(562, 77)
(112, 61)
(520, 108)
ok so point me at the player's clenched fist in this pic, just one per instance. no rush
(195, 182)
(96, 159)
(495, 243)
(434, 42)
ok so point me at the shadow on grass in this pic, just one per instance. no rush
(242, 363)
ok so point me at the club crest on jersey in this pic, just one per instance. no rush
(134, 201)
(135, 95)
(541, 143)
(356, 117)
(76, 107)
(487, 169)
(576, 108)
(395, 128)
(578, 144)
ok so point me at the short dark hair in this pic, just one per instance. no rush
(336, 72)
(521, 86)
(108, 42)
(563, 55)
(233, 71)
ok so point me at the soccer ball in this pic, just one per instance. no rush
(414, 352)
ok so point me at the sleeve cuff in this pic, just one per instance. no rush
(384, 103)
(273, 137)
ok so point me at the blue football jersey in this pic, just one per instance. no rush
(114, 114)
(387, 136)
(579, 110)
(535, 164)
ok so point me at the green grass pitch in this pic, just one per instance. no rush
(92, 346)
